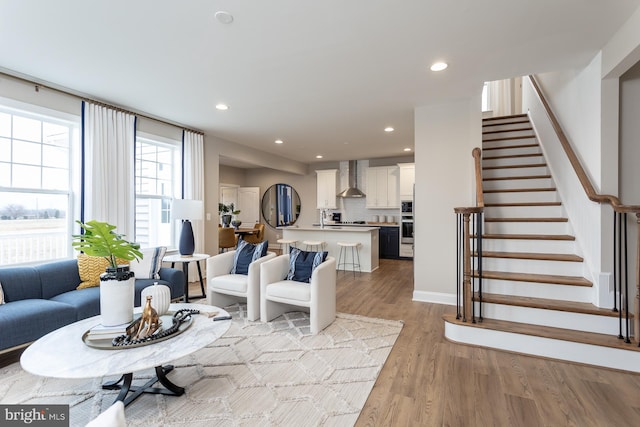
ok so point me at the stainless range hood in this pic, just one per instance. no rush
(352, 191)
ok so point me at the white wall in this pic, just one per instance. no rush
(445, 135)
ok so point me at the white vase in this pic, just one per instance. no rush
(116, 298)
(160, 297)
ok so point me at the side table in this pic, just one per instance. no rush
(185, 260)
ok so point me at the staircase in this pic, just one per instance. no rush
(536, 295)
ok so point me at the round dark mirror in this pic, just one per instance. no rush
(280, 205)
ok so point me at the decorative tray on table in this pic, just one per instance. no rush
(173, 323)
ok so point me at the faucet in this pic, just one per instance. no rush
(322, 213)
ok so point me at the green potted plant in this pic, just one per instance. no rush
(225, 216)
(235, 212)
(117, 283)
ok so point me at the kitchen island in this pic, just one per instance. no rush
(332, 234)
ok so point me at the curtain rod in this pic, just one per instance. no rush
(84, 97)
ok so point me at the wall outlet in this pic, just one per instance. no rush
(208, 216)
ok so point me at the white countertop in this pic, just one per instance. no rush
(363, 228)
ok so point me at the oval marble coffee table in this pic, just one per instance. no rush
(63, 354)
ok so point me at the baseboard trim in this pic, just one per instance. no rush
(434, 297)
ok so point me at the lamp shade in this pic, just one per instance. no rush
(186, 209)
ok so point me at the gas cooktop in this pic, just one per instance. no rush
(351, 222)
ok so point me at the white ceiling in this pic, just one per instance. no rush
(325, 76)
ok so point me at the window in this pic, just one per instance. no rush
(158, 181)
(38, 164)
(485, 97)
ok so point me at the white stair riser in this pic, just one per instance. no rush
(508, 172)
(511, 151)
(505, 126)
(537, 290)
(561, 268)
(552, 318)
(518, 183)
(527, 228)
(523, 211)
(507, 134)
(545, 347)
(507, 142)
(503, 121)
(521, 197)
(510, 161)
(521, 245)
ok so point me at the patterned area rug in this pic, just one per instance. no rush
(257, 374)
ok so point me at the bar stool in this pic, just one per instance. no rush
(314, 245)
(288, 243)
(355, 252)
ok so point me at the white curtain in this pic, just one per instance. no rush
(109, 167)
(193, 184)
(500, 92)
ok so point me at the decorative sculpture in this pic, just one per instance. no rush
(149, 321)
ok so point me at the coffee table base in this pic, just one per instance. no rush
(125, 388)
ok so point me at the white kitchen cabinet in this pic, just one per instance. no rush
(407, 179)
(382, 187)
(327, 182)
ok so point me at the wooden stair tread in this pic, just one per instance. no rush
(511, 116)
(520, 204)
(526, 219)
(532, 255)
(529, 236)
(506, 130)
(509, 178)
(552, 279)
(603, 340)
(508, 138)
(519, 190)
(528, 165)
(509, 147)
(515, 122)
(549, 304)
(512, 156)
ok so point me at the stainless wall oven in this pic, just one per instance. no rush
(406, 233)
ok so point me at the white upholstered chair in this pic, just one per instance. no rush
(224, 288)
(279, 295)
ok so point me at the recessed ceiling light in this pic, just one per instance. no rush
(407, 149)
(389, 129)
(319, 156)
(439, 66)
(222, 107)
(224, 17)
(278, 141)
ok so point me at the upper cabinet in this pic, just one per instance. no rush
(382, 187)
(327, 188)
(407, 180)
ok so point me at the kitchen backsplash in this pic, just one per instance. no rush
(356, 210)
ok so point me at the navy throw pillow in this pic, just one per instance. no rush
(302, 264)
(245, 254)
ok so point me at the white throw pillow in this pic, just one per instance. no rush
(1, 295)
(112, 417)
(149, 266)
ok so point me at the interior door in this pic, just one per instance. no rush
(249, 205)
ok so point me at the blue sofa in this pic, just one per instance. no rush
(42, 298)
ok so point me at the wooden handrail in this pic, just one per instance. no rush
(595, 197)
(575, 162)
(477, 155)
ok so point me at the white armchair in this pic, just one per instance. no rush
(224, 288)
(279, 295)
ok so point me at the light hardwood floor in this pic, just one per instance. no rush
(429, 381)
